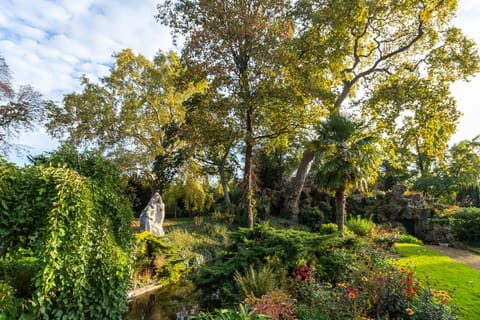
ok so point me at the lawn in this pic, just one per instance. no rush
(443, 273)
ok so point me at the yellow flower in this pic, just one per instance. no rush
(364, 279)
(409, 311)
(341, 285)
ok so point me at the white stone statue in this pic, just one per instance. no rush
(152, 216)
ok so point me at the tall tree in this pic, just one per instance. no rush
(214, 134)
(134, 114)
(347, 48)
(350, 157)
(20, 109)
(464, 162)
(417, 117)
(239, 46)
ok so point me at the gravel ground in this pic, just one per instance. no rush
(469, 258)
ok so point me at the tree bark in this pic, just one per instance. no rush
(223, 179)
(293, 192)
(340, 199)
(248, 183)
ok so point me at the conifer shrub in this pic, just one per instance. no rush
(284, 250)
(312, 217)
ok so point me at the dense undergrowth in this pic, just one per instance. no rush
(65, 239)
(292, 274)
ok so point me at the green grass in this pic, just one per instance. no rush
(176, 221)
(474, 249)
(443, 273)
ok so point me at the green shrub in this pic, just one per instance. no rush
(328, 228)
(284, 249)
(224, 217)
(256, 282)
(360, 226)
(407, 238)
(159, 257)
(243, 313)
(311, 217)
(466, 225)
(8, 303)
(20, 272)
(77, 230)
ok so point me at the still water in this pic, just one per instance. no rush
(176, 302)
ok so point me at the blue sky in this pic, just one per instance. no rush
(50, 44)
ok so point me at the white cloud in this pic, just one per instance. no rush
(51, 43)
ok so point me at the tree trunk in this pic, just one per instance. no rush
(293, 192)
(248, 183)
(223, 179)
(340, 199)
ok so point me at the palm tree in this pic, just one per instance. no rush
(349, 157)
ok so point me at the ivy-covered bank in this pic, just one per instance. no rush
(65, 239)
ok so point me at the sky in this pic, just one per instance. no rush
(51, 44)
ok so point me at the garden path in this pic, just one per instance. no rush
(467, 257)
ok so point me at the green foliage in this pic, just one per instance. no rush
(466, 225)
(328, 228)
(148, 97)
(360, 226)
(67, 238)
(284, 249)
(8, 303)
(105, 177)
(350, 153)
(350, 158)
(312, 217)
(19, 272)
(189, 194)
(158, 260)
(243, 313)
(256, 282)
(408, 238)
(442, 272)
(375, 290)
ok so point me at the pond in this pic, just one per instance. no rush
(177, 302)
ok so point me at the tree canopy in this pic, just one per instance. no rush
(133, 114)
(20, 109)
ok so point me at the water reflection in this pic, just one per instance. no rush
(176, 302)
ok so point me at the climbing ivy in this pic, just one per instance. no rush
(69, 225)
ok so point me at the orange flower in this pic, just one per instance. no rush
(352, 295)
(409, 311)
